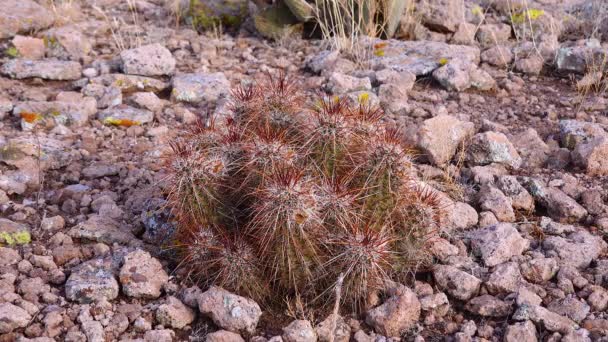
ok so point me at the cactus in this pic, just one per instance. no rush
(285, 196)
(372, 16)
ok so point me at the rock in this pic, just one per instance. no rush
(48, 69)
(527, 297)
(322, 61)
(598, 299)
(465, 34)
(498, 243)
(23, 17)
(229, 311)
(341, 331)
(579, 56)
(420, 57)
(548, 319)
(174, 314)
(12, 317)
(53, 223)
(397, 314)
(499, 56)
(559, 206)
(580, 335)
(440, 137)
(574, 132)
(578, 249)
(164, 335)
(570, 307)
(489, 35)
(520, 198)
(492, 199)
(93, 330)
(529, 65)
(442, 249)
(67, 42)
(488, 306)
(521, 332)
(72, 112)
(442, 15)
(148, 100)
(142, 276)
(457, 283)
(340, 83)
(531, 148)
(9, 256)
(130, 83)
(102, 229)
(194, 88)
(299, 331)
(106, 97)
(13, 233)
(505, 278)
(435, 303)
(125, 116)
(91, 281)
(458, 216)
(148, 60)
(100, 170)
(454, 75)
(491, 147)
(592, 156)
(29, 47)
(539, 270)
(223, 336)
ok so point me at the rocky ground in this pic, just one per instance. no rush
(91, 94)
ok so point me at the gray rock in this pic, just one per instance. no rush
(420, 57)
(48, 69)
(174, 314)
(164, 335)
(442, 15)
(223, 336)
(229, 311)
(531, 148)
(465, 34)
(23, 16)
(560, 206)
(441, 136)
(93, 330)
(106, 96)
(578, 249)
(580, 335)
(493, 147)
(148, 60)
(592, 156)
(396, 315)
(341, 332)
(578, 57)
(103, 229)
(505, 278)
(521, 332)
(520, 198)
(488, 306)
(499, 56)
(12, 317)
(492, 199)
(455, 282)
(489, 35)
(194, 88)
(130, 83)
(67, 42)
(454, 75)
(9, 256)
(340, 83)
(570, 307)
(539, 270)
(91, 281)
(100, 170)
(124, 115)
(73, 112)
(322, 61)
(142, 276)
(498, 243)
(575, 132)
(548, 319)
(299, 331)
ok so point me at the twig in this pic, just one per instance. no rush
(334, 317)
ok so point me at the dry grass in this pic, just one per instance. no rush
(124, 35)
(65, 11)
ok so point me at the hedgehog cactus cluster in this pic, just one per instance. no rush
(284, 197)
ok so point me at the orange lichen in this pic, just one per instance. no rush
(30, 117)
(120, 122)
